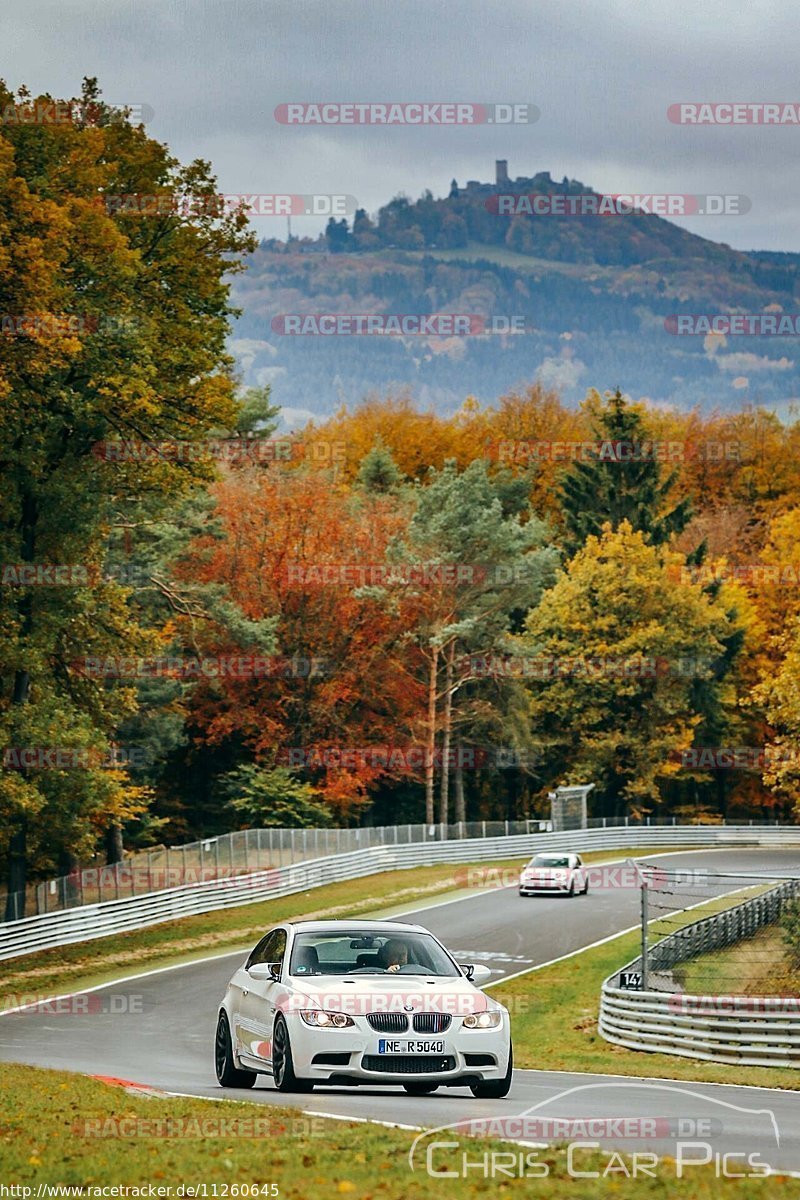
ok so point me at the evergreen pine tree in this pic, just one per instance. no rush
(378, 471)
(622, 481)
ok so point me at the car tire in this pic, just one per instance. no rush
(420, 1089)
(228, 1074)
(585, 891)
(495, 1089)
(283, 1064)
(571, 891)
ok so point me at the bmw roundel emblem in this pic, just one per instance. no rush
(408, 1008)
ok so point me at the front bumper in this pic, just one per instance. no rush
(531, 888)
(353, 1055)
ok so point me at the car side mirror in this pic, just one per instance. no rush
(477, 974)
(265, 971)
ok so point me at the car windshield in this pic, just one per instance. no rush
(378, 952)
(549, 860)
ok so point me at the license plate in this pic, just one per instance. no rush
(385, 1046)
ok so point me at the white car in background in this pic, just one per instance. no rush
(361, 1002)
(554, 875)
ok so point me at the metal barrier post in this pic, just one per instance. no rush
(645, 940)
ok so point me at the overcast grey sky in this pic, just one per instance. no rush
(602, 72)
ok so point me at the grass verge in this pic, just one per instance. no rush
(57, 1128)
(759, 966)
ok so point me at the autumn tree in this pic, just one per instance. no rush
(294, 548)
(620, 643)
(523, 432)
(780, 696)
(113, 266)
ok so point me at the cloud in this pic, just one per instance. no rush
(744, 361)
(602, 76)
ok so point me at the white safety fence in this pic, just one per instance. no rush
(91, 921)
(750, 1030)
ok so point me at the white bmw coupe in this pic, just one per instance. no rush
(361, 1002)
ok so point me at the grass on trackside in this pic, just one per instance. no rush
(555, 1011)
(758, 966)
(58, 1128)
(85, 964)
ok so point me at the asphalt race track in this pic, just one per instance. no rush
(157, 1030)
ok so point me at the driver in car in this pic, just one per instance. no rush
(393, 955)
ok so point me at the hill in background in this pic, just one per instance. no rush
(592, 293)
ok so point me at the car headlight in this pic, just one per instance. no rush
(321, 1019)
(484, 1020)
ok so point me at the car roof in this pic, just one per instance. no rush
(354, 925)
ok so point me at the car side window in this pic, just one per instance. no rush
(278, 948)
(271, 948)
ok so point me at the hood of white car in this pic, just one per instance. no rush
(359, 994)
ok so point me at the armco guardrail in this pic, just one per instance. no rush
(136, 912)
(238, 853)
(726, 1031)
(751, 1030)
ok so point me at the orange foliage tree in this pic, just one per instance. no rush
(295, 546)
